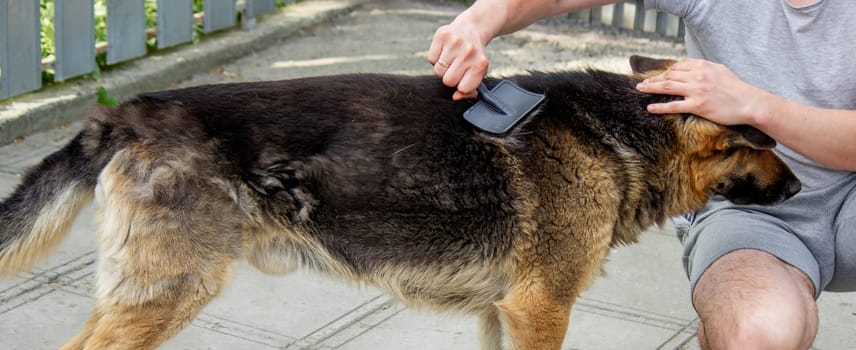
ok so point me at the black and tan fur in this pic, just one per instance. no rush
(375, 179)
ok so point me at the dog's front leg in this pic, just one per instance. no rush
(490, 329)
(535, 318)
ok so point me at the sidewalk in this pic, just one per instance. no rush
(641, 303)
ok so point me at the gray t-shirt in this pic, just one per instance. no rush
(805, 54)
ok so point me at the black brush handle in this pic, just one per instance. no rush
(488, 97)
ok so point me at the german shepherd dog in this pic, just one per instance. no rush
(376, 179)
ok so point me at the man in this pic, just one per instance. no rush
(781, 66)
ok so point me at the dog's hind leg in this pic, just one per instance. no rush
(490, 329)
(162, 258)
(145, 325)
(148, 306)
(77, 342)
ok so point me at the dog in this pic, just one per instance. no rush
(376, 179)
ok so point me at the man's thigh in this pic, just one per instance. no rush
(730, 230)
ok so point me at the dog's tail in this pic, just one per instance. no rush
(38, 214)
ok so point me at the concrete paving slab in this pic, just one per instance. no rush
(29, 151)
(57, 315)
(423, 330)
(45, 322)
(8, 181)
(293, 305)
(417, 330)
(652, 269)
(9, 288)
(197, 337)
(595, 331)
(837, 321)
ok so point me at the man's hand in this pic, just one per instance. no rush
(458, 55)
(710, 90)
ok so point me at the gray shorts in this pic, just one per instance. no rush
(815, 231)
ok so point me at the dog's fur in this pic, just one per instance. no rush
(376, 179)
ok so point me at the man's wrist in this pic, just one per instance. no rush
(763, 109)
(485, 26)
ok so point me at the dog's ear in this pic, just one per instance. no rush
(648, 66)
(748, 136)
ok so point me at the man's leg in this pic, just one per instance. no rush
(749, 299)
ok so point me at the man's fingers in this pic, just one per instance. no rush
(457, 62)
(470, 82)
(436, 48)
(464, 96)
(668, 87)
(681, 106)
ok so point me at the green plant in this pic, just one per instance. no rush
(46, 11)
(106, 100)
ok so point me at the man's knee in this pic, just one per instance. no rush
(749, 299)
(759, 331)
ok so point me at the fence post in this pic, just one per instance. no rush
(20, 47)
(258, 7)
(618, 15)
(583, 16)
(175, 22)
(219, 14)
(595, 15)
(126, 30)
(639, 18)
(662, 23)
(74, 38)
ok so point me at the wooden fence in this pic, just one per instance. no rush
(75, 49)
(631, 14)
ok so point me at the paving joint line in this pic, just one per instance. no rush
(319, 336)
(369, 328)
(630, 314)
(44, 278)
(683, 337)
(240, 330)
(6, 171)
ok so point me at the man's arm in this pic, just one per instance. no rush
(458, 48)
(712, 91)
(823, 135)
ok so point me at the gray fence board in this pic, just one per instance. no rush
(175, 22)
(639, 17)
(74, 37)
(618, 15)
(20, 47)
(643, 19)
(596, 14)
(662, 23)
(219, 14)
(126, 30)
(260, 7)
